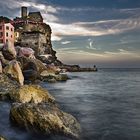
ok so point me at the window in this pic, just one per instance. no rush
(1, 34)
(7, 34)
(11, 36)
(12, 29)
(0, 27)
(6, 40)
(7, 27)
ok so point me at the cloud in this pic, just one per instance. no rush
(65, 42)
(99, 28)
(91, 45)
(123, 53)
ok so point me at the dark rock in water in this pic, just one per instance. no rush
(61, 77)
(44, 118)
(31, 93)
(52, 77)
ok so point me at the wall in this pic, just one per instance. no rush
(9, 32)
(34, 40)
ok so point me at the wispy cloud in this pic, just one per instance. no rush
(91, 45)
(99, 28)
(96, 28)
(122, 52)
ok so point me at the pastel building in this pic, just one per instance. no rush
(6, 33)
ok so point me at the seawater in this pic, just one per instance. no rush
(106, 103)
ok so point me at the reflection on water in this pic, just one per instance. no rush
(106, 103)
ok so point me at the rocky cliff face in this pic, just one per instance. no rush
(36, 36)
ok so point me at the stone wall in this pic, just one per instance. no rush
(34, 40)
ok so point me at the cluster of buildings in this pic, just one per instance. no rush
(10, 31)
(29, 30)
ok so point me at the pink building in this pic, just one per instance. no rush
(6, 33)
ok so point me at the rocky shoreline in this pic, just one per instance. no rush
(29, 60)
(34, 109)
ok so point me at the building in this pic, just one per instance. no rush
(35, 40)
(27, 21)
(6, 33)
(31, 31)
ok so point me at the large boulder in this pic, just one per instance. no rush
(31, 68)
(45, 119)
(35, 64)
(9, 51)
(14, 71)
(25, 51)
(31, 93)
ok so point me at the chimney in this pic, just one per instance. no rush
(24, 12)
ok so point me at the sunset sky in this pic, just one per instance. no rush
(101, 32)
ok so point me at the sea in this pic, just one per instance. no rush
(106, 103)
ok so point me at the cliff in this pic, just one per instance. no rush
(36, 36)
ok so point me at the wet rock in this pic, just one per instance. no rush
(31, 93)
(61, 77)
(9, 51)
(14, 71)
(50, 76)
(44, 118)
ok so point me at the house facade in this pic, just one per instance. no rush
(6, 33)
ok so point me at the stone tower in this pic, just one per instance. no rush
(23, 12)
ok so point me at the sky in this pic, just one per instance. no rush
(88, 32)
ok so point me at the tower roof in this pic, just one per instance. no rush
(35, 16)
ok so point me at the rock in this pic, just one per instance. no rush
(61, 77)
(0, 67)
(50, 76)
(33, 64)
(3, 60)
(45, 119)
(14, 70)
(2, 138)
(31, 93)
(27, 52)
(31, 68)
(46, 58)
(30, 75)
(6, 86)
(9, 51)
